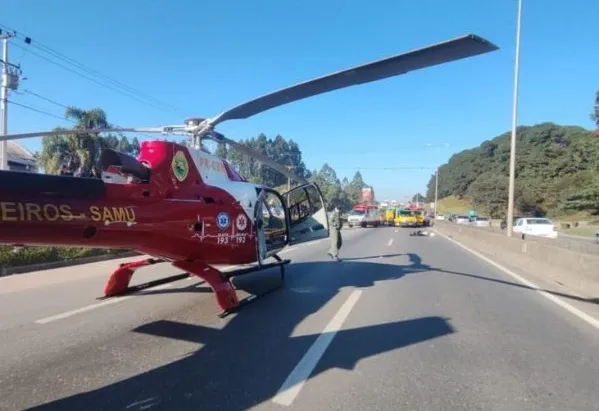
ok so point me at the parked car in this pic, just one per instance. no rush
(462, 219)
(539, 227)
(481, 222)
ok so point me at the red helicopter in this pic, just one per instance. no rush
(184, 205)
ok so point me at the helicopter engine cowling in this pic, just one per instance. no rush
(126, 163)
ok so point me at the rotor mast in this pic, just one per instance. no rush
(194, 124)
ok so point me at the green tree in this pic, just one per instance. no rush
(84, 150)
(330, 186)
(553, 168)
(490, 191)
(343, 194)
(284, 152)
(354, 188)
(418, 198)
(595, 114)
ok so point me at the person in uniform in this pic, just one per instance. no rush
(335, 234)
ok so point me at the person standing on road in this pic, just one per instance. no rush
(335, 234)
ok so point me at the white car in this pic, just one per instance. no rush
(481, 222)
(462, 219)
(362, 218)
(540, 227)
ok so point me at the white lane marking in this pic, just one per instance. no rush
(573, 310)
(390, 242)
(296, 380)
(397, 231)
(94, 306)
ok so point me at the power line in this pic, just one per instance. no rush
(45, 98)
(120, 86)
(37, 110)
(84, 67)
(90, 78)
(67, 107)
(92, 71)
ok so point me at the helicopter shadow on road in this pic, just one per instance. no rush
(246, 362)
(419, 266)
(416, 266)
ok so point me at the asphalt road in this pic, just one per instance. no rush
(402, 323)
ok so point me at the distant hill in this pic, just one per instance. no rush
(557, 172)
(454, 205)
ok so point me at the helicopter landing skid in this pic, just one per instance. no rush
(251, 298)
(220, 282)
(118, 283)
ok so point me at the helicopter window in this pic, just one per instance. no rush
(300, 204)
(295, 197)
(272, 213)
(300, 211)
(314, 197)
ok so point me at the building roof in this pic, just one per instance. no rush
(20, 154)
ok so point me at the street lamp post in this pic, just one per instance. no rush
(436, 192)
(511, 189)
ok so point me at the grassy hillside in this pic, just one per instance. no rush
(579, 224)
(454, 205)
(557, 174)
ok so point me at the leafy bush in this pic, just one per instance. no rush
(39, 255)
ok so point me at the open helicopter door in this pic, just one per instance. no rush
(272, 229)
(308, 220)
(296, 217)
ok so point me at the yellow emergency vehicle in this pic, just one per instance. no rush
(405, 218)
(420, 218)
(390, 216)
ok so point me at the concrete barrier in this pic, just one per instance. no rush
(23, 269)
(575, 270)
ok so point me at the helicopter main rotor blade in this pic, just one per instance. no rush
(218, 137)
(165, 129)
(451, 50)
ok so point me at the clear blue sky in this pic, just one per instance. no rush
(205, 56)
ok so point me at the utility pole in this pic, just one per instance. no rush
(512, 181)
(436, 191)
(289, 179)
(10, 80)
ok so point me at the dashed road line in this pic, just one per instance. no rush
(300, 374)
